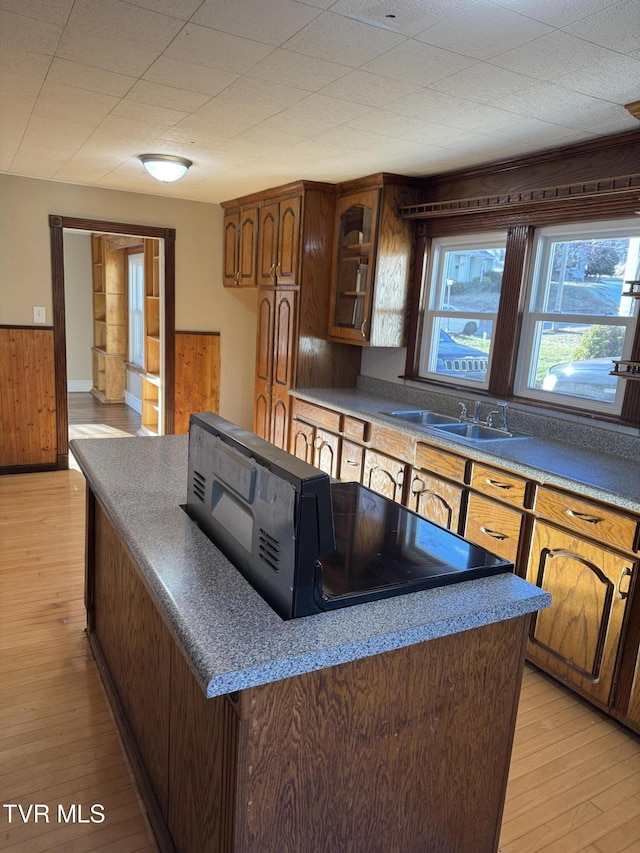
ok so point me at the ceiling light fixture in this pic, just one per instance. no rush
(165, 167)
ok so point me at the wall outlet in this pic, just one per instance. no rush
(39, 314)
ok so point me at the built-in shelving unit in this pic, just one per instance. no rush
(109, 316)
(151, 379)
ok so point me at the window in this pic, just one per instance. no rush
(464, 278)
(578, 319)
(136, 309)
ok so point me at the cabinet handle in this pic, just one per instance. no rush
(626, 573)
(272, 273)
(318, 443)
(400, 478)
(236, 277)
(420, 484)
(498, 484)
(494, 534)
(278, 269)
(352, 463)
(582, 516)
(363, 328)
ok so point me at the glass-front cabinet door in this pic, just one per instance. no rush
(354, 267)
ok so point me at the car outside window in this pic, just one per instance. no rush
(463, 280)
(578, 319)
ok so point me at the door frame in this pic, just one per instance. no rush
(57, 225)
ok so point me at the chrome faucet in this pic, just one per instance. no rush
(503, 416)
(489, 421)
(476, 412)
(463, 411)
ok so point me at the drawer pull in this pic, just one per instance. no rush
(417, 486)
(318, 443)
(494, 534)
(352, 463)
(582, 516)
(626, 573)
(498, 484)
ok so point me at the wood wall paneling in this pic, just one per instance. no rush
(197, 376)
(28, 435)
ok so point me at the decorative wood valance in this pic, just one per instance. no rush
(527, 200)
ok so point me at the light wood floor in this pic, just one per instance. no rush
(85, 409)
(574, 783)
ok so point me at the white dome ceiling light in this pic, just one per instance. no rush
(165, 167)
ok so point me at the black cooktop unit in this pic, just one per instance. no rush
(309, 544)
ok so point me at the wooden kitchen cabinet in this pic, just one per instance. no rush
(351, 462)
(372, 261)
(436, 499)
(493, 526)
(577, 638)
(278, 243)
(240, 246)
(384, 474)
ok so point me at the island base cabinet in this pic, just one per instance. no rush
(406, 750)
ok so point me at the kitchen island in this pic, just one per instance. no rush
(384, 726)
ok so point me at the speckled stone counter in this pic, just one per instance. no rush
(604, 476)
(230, 636)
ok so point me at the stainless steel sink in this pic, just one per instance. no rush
(424, 417)
(476, 432)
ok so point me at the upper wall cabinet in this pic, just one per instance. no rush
(278, 240)
(371, 264)
(240, 246)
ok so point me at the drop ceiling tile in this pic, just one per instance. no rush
(269, 134)
(53, 11)
(415, 62)
(68, 111)
(205, 128)
(254, 100)
(305, 152)
(550, 56)
(109, 56)
(346, 137)
(79, 170)
(317, 4)
(409, 16)
(616, 79)
(24, 62)
(182, 9)
(127, 132)
(483, 30)
(158, 116)
(57, 133)
(169, 97)
(85, 77)
(14, 110)
(19, 84)
(557, 13)
(81, 98)
(37, 163)
(559, 106)
(188, 75)
(362, 87)
(216, 50)
(621, 124)
(617, 27)
(483, 82)
(342, 40)
(284, 66)
(18, 32)
(122, 23)
(273, 22)
(388, 124)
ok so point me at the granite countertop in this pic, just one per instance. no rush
(230, 636)
(604, 476)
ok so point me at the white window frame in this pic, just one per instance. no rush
(529, 340)
(135, 353)
(434, 297)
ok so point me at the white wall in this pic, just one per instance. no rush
(202, 303)
(78, 307)
(383, 363)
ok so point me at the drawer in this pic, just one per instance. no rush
(317, 415)
(391, 442)
(608, 526)
(498, 484)
(493, 526)
(355, 429)
(351, 462)
(439, 461)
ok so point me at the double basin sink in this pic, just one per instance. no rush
(452, 427)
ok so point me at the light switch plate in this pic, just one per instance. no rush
(39, 314)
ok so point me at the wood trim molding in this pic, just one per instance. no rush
(57, 224)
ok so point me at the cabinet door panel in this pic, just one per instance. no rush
(577, 637)
(326, 448)
(288, 240)
(264, 364)
(436, 499)
(301, 444)
(280, 421)
(351, 462)
(384, 475)
(230, 251)
(247, 250)
(284, 338)
(268, 244)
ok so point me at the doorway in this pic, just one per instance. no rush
(165, 264)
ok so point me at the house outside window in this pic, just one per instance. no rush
(464, 280)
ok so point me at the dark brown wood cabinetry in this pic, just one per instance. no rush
(240, 246)
(278, 242)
